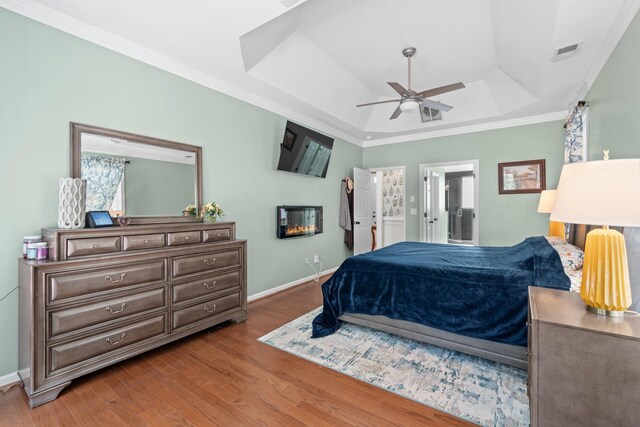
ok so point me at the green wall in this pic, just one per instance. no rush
(614, 101)
(49, 78)
(504, 219)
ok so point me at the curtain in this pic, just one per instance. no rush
(575, 141)
(103, 175)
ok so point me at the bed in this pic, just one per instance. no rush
(469, 299)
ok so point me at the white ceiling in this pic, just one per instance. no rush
(315, 61)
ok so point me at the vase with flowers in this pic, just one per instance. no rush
(190, 210)
(210, 212)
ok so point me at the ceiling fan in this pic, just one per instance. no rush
(411, 100)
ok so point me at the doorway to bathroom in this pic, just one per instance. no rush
(449, 200)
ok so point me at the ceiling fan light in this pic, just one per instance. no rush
(409, 105)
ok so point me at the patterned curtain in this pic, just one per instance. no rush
(575, 141)
(103, 175)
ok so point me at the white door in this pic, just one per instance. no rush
(362, 211)
(432, 210)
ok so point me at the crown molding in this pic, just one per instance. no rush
(559, 115)
(48, 16)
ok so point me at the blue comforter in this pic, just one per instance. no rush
(480, 292)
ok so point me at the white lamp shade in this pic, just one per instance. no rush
(547, 200)
(409, 105)
(605, 192)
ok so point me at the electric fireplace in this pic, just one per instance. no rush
(298, 221)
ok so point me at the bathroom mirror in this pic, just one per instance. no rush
(150, 180)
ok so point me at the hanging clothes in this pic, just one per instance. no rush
(346, 211)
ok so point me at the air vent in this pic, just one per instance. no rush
(289, 3)
(431, 115)
(566, 52)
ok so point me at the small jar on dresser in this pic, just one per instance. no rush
(109, 294)
(584, 368)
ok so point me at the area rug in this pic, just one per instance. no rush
(475, 389)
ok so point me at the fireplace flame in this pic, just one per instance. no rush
(301, 229)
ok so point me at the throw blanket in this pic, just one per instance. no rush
(480, 292)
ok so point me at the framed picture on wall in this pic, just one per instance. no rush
(289, 139)
(528, 176)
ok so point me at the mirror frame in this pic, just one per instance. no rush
(76, 131)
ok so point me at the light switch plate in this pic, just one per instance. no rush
(414, 211)
(412, 199)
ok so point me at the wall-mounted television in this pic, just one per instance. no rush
(304, 151)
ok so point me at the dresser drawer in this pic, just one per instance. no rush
(185, 238)
(68, 285)
(207, 286)
(216, 235)
(73, 319)
(202, 263)
(187, 316)
(143, 241)
(93, 246)
(65, 355)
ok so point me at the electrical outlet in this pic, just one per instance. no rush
(316, 259)
(306, 260)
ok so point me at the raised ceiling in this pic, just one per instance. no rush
(314, 61)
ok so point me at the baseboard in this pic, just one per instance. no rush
(286, 286)
(8, 381)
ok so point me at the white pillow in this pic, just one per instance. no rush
(571, 256)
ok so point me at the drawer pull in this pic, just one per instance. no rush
(122, 306)
(208, 310)
(109, 279)
(527, 353)
(124, 334)
(210, 286)
(209, 261)
(96, 245)
(219, 234)
(186, 237)
(146, 242)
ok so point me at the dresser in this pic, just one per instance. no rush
(109, 294)
(584, 368)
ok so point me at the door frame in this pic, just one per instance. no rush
(379, 217)
(476, 194)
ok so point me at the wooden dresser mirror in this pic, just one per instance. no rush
(150, 180)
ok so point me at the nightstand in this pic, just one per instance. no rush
(584, 369)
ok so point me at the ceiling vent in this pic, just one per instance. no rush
(289, 3)
(431, 115)
(566, 52)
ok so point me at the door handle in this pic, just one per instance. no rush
(357, 223)
(459, 213)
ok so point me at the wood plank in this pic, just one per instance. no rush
(225, 377)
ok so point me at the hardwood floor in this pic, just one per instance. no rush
(225, 377)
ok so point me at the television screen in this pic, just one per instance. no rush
(304, 151)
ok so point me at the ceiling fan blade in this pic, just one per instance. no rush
(397, 87)
(442, 89)
(396, 113)
(378, 102)
(435, 105)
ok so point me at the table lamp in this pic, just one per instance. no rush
(605, 192)
(545, 205)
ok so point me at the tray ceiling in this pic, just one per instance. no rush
(314, 61)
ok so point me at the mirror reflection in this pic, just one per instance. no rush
(136, 179)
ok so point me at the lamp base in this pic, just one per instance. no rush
(603, 312)
(556, 229)
(605, 273)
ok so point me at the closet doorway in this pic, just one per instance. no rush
(449, 202)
